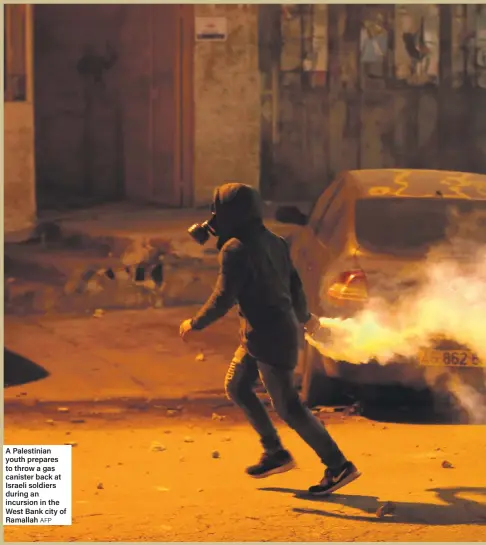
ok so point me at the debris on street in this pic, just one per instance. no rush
(217, 417)
(200, 357)
(215, 454)
(447, 465)
(157, 447)
(388, 508)
(355, 409)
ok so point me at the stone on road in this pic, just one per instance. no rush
(125, 490)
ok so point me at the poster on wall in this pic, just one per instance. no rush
(211, 29)
(480, 46)
(417, 43)
(291, 28)
(316, 54)
(475, 45)
(469, 45)
(374, 43)
(459, 39)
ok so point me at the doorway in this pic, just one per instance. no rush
(114, 104)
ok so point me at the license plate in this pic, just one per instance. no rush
(449, 358)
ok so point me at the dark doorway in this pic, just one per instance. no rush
(113, 104)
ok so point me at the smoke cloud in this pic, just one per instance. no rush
(449, 301)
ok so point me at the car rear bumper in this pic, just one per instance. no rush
(409, 374)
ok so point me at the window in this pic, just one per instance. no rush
(332, 230)
(408, 225)
(15, 52)
(323, 204)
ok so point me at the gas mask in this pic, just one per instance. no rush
(200, 231)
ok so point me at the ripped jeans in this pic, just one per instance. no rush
(239, 385)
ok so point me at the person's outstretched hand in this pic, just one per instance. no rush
(185, 330)
(312, 325)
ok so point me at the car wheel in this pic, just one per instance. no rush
(317, 387)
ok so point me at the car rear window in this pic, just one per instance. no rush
(414, 225)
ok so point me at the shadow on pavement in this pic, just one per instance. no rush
(457, 511)
(19, 370)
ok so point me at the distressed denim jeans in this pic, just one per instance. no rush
(279, 383)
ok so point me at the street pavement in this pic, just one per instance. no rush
(129, 354)
(159, 453)
(142, 475)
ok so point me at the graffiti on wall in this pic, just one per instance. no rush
(93, 66)
(417, 43)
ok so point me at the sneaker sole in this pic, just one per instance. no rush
(337, 486)
(276, 471)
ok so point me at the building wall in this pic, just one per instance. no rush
(78, 147)
(106, 104)
(343, 88)
(227, 102)
(19, 175)
(106, 138)
(19, 171)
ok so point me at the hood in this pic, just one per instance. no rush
(238, 209)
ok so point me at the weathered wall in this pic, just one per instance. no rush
(341, 91)
(227, 102)
(19, 175)
(106, 106)
(76, 137)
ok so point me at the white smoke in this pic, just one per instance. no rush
(449, 302)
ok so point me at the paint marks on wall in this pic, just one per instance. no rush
(417, 43)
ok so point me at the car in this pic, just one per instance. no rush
(367, 226)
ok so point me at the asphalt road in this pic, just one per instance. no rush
(147, 474)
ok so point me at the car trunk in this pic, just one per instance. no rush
(393, 279)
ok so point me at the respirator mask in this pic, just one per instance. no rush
(200, 231)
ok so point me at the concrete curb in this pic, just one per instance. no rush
(165, 406)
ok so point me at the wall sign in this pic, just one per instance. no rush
(212, 29)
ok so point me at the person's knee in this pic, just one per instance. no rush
(290, 409)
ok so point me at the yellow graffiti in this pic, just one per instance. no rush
(458, 185)
(457, 182)
(379, 191)
(401, 180)
(480, 188)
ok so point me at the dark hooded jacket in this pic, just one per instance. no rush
(256, 273)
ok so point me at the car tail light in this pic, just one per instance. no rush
(350, 286)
